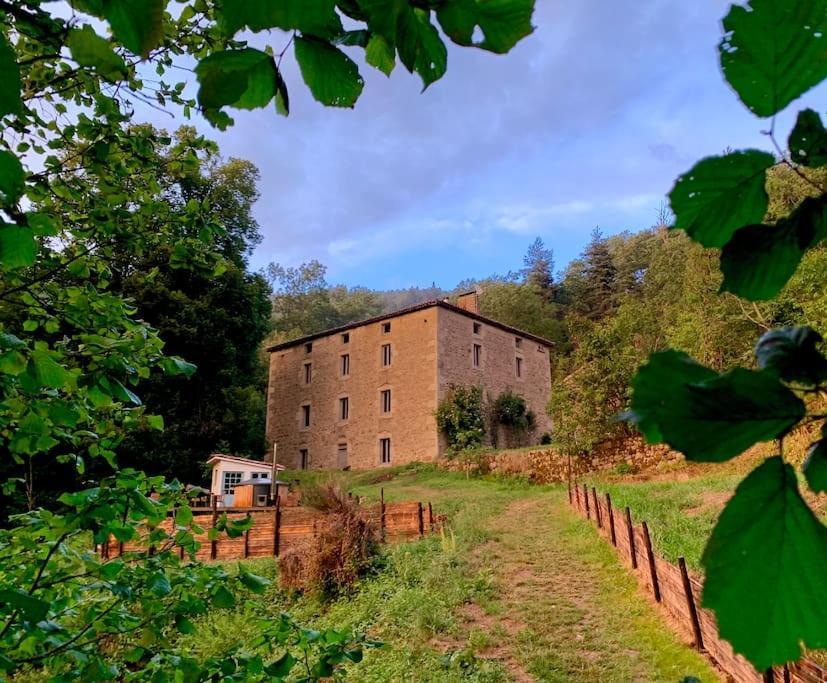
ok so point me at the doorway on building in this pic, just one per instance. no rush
(341, 456)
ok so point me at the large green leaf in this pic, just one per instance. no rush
(332, 76)
(503, 22)
(766, 564)
(808, 140)
(760, 259)
(18, 247)
(10, 102)
(313, 17)
(772, 51)
(137, 24)
(380, 53)
(709, 417)
(815, 465)
(46, 372)
(90, 50)
(246, 79)
(721, 194)
(12, 179)
(34, 608)
(792, 353)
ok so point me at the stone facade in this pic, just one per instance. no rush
(431, 347)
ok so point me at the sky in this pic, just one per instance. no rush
(586, 123)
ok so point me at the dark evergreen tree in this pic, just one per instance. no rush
(599, 278)
(539, 266)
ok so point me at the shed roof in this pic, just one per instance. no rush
(412, 309)
(216, 457)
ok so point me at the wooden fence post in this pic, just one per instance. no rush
(382, 514)
(120, 548)
(276, 527)
(597, 514)
(787, 675)
(246, 544)
(421, 520)
(769, 676)
(180, 552)
(630, 530)
(577, 496)
(568, 478)
(651, 557)
(586, 498)
(611, 519)
(690, 603)
(430, 518)
(214, 543)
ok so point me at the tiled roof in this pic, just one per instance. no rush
(405, 311)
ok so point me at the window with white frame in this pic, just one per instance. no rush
(230, 481)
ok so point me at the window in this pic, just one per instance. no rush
(308, 347)
(386, 327)
(477, 356)
(519, 367)
(386, 354)
(231, 480)
(304, 459)
(344, 408)
(258, 475)
(384, 451)
(306, 416)
(541, 348)
(346, 338)
(477, 328)
(341, 455)
(308, 372)
(518, 342)
(386, 400)
(261, 500)
(345, 364)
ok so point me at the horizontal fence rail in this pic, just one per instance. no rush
(280, 528)
(678, 592)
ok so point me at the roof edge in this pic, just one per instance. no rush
(405, 311)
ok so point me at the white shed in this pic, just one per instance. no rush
(230, 470)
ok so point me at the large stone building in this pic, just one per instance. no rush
(364, 395)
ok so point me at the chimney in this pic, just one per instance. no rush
(469, 301)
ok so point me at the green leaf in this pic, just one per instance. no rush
(18, 248)
(177, 366)
(772, 52)
(721, 194)
(815, 465)
(223, 598)
(184, 625)
(760, 259)
(46, 372)
(257, 584)
(379, 53)
(156, 422)
(32, 608)
(137, 24)
(245, 79)
(332, 76)
(503, 22)
(282, 666)
(90, 50)
(766, 564)
(792, 354)
(12, 179)
(10, 85)
(709, 417)
(12, 362)
(808, 140)
(311, 17)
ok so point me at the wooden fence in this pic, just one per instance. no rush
(279, 528)
(677, 591)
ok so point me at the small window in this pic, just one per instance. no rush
(257, 475)
(305, 416)
(518, 342)
(261, 500)
(541, 348)
(384, 451)
(308, 347)
(344, 408)
(386, 354)
(477, 356)
(386, 327)
(231, 480)
(304, 459)
(386, 400)
(346, 338)
(519, 367)
(308, 372)
(477, 328)
(345, 364)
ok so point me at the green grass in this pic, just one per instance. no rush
(518, 588)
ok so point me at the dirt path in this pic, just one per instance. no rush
(567, 610)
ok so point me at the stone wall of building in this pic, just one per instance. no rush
(497, 371)
(411, 378)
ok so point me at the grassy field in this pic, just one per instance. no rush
(518, 588)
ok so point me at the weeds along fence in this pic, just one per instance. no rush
(279, 528)
(677, 590)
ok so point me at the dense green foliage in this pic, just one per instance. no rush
(90, 205)
(460, 417)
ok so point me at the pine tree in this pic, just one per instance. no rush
(600, 278)
(539, 264)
